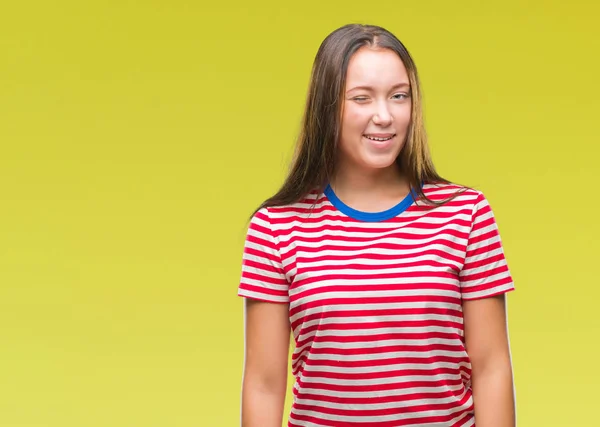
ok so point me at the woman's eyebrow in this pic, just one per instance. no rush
(369, 88)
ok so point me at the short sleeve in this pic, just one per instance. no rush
(263, 277)
(485, 272)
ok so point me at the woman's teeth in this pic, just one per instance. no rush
(379, 139)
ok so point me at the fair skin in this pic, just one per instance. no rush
(267, 339)
(487, 343)
(377, 105)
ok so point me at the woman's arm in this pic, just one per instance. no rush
(487, 343)
(267, 341)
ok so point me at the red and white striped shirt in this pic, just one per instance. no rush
(375, 303)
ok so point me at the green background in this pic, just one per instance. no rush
(137, 137)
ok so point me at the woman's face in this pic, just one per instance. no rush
(376, 110)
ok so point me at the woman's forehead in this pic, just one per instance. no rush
(375, 67)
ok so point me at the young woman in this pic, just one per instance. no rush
(391, 279)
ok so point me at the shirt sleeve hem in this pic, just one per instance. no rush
(263, 298)
(488, 295)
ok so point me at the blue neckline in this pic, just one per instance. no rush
(390, 213)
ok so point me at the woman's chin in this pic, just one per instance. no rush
(379, 162)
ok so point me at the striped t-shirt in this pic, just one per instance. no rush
(375, 303)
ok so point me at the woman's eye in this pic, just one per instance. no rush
(400, 96)
(360, 98)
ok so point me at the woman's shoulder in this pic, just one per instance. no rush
(450, 191)
(315, 200)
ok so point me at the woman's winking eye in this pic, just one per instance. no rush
(398, 96)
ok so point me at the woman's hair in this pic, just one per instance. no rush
(314, 162)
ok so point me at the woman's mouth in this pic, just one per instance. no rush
(380, 137)
(380, 141)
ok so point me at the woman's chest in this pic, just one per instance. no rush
(408, 266)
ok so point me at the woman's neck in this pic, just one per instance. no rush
(372, 191)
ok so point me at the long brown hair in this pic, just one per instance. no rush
(314, 164)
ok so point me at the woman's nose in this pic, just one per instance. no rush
(382, 116)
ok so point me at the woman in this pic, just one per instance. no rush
(391, 279)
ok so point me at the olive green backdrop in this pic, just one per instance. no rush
(137, 136)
